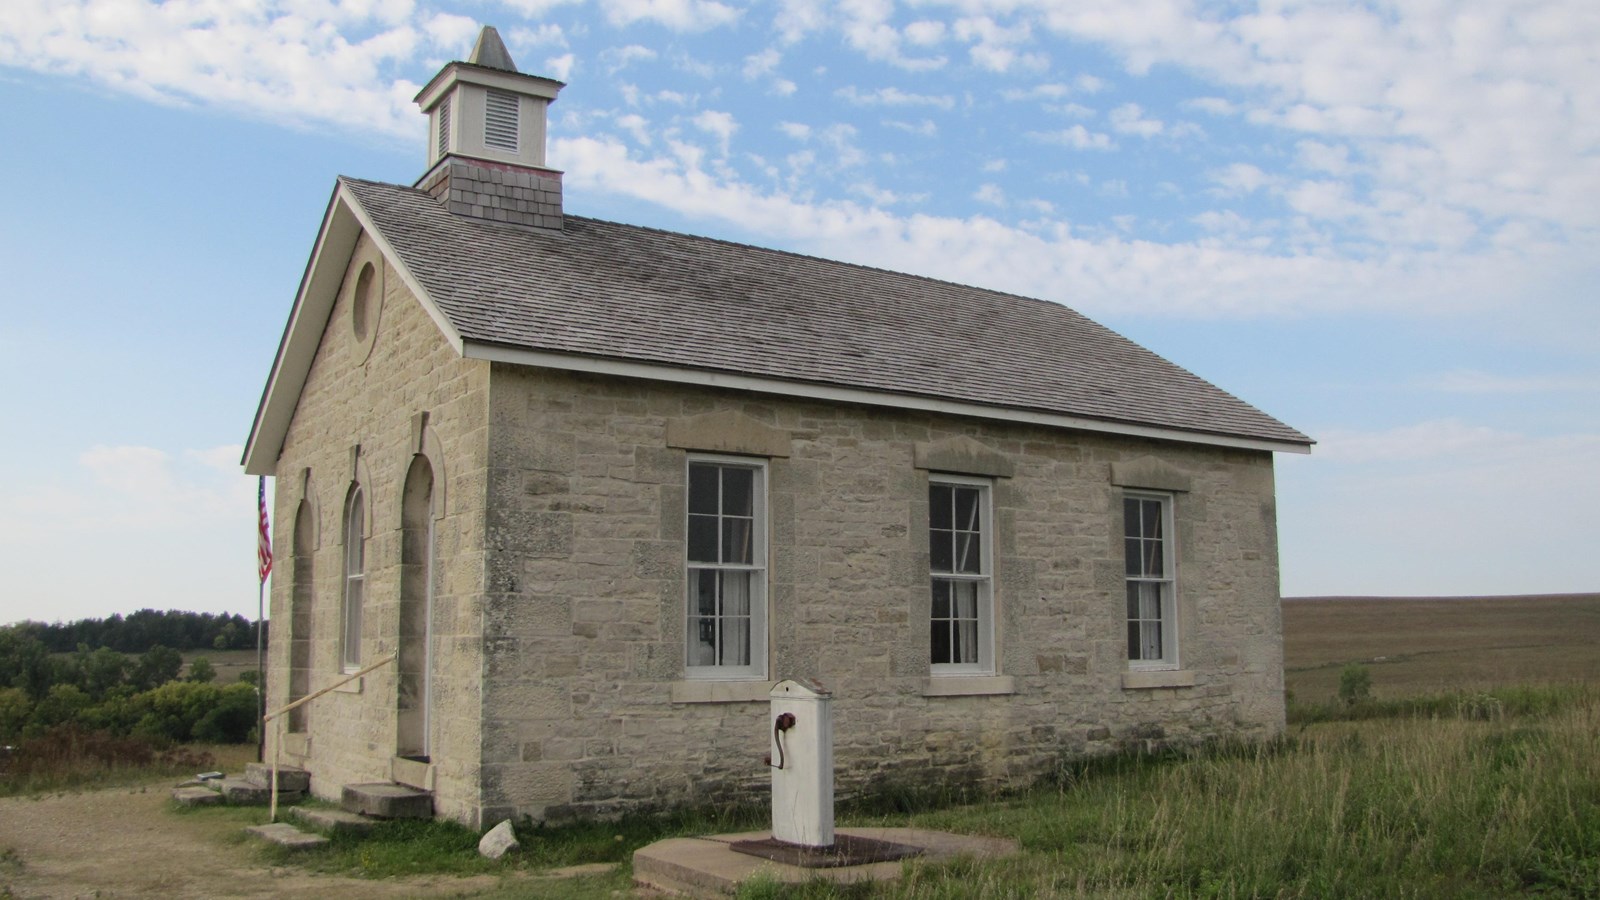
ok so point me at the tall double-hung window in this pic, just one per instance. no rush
(1151, 580)
(355, 561)
(961, 561)
(726, 628)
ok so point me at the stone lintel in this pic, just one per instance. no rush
(728, 431)
(1149, 472)
(963, 455)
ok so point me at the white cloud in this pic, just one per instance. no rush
(1076, 137)
(763, 63)
(1213, 105)
(795, 130)
(162, 529)
(560, 67)
(924, 128)
(1130, 119)
(677, 15)
(990, 194)
(720, 125)
(892, 96)
(1240, 178)
(1440, 507)
(618, 58)
(1474, 382)
(995, 47)
(925, 33)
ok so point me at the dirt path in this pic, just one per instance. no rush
(125, 842)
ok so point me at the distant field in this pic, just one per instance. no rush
(230, 664)
(1429, 645)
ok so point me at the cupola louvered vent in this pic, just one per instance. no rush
(500, 121)
(444, 127)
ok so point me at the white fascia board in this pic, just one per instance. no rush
(831, 393)
(342, 225)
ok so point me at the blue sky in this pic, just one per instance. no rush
(1378, 223)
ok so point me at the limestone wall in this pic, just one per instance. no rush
(585, 706)
(370, 387)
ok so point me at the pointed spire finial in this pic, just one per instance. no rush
(490, 51)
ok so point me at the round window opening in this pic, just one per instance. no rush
(361, 303)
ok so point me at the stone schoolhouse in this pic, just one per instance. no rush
(597, 487)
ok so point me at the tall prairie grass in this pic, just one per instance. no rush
(1457, 805)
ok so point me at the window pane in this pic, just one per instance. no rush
(703, 539)
(703, 588)
(1154, 559)
(1133, 600)
(702, 642)
(965, 595)
(703, 489)
(738, 491)
(1151, 632)
(941, 554)
(941, 599)
(969, 553)
(939, 646)
(1151, 519)
(1131, 556)
(1150, 601)
(966, 640)
(1130, 517)
(736, 594)
(737, 543)
(939, 506)
(966, 508)
(1133, 640)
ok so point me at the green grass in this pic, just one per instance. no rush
(84, 761)
(1437, 800)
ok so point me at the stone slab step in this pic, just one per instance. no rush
(196, 795)
(290, 778)
(332, 820)
(285, 835)
(238, 792)
(387, 800)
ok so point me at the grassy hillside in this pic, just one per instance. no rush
(1430, 645)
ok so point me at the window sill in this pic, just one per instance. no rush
(1144, 679)
(968, 685)
(352, 686)
(721, 691)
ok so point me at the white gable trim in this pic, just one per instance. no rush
(833, 394)
(342, 226)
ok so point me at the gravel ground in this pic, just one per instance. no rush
(126, 842)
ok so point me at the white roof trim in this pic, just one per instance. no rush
(812, 391)
(342, 226)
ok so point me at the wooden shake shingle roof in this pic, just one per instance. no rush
(608, 291)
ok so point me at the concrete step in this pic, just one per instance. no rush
(290, 778)
(332, 821)
(196, 795)
(238, 792)
(285, 835)
(387, 800)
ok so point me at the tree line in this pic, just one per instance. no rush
(138, 632)
(143, 693)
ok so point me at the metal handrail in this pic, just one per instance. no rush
(277, 714)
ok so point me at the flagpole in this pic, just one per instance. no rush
(263, 568)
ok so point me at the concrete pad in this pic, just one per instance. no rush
(290, 778)
(708, 867)
(332, 820)
(387, 800)
(194, 795)
(285, 835)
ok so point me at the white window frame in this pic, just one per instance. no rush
(353, 597)
(984, 580)
(1167, 583)
(757, 668)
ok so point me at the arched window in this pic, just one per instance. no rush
(300, 604)
(354, 581)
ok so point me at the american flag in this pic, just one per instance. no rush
(264, 541)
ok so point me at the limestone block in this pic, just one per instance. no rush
(498, 841)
